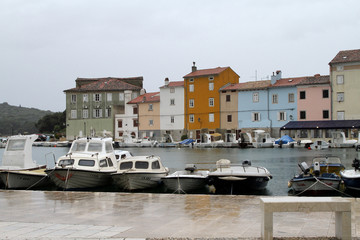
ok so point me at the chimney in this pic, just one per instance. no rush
(317, 75)
(276, 77)
(166, 81)
(193, 68)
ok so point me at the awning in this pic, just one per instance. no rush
(216, 134)
(330, 124)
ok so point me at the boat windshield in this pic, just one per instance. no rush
(16, 144)
(155, 165)
(78, 147)
(94, 147)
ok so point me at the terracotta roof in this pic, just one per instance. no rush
(206, 72)
(146, 98)
(104, 84)
(285, 82)
(248, 85)
(317, 79)
(346, 56)
(174, 84)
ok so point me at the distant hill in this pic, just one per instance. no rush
(15, 120)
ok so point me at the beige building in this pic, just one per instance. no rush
(345, 84)
(148, 106)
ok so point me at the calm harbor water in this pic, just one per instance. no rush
(282, 163)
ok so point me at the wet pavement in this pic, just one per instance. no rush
(109, 215)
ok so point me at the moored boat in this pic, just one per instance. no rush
(139, 172)
(88, 164)
(187, 180)
(351, 177)
(237, 178)
(18, 170)
(323, 176)
(284, 142)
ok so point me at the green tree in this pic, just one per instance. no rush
(52, 123)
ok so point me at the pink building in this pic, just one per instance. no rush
(314, 98)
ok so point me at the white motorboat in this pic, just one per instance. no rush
(18, 169)
(263, 139)
(139, 172)
(186, 180)
(339, 140)
(284, 142)
(89, 163)
(319, 144)
(122, 154)
(238, 178)
(351, 177)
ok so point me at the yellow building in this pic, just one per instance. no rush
(202, 98)
(345, 84)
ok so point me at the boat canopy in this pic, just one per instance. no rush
(187, 141)
(285, 139)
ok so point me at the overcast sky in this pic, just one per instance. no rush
(45, 44)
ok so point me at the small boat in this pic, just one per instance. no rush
(319, 144)
(339, 140)
(284, 142)
(237, 178)
(263, 139)
(88, 164)
(351, 177)
(3, 142)
(322, 176)
(186, 180)
(139, 172)
(19, 171)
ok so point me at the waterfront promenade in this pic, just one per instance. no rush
(112, 215)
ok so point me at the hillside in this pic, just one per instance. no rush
(15, 120)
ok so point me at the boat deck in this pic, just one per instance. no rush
(111, 215)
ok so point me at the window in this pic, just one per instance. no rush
(340, 68)
(211, 102)
(211, 117)
(120, 123)
(85, 113)
(325, 93)
(191, 103)
(108, 112)
(97, 97)
(141, 165)
(255, 97)
(340, 96)
(191, 80)
(86, 163)
(191, 87)
(229, 118)
(73, 98)
(211, 86)
(135, 110)
(340, 79)
(172, 101)
(95, 147)
(85, 98)
(73, 113)
(281, 116)
(302, 114)
(135, 123)
(172, 119)
(150, 107)
(325, 114)
(97, 113)
(211, 78)
(291, 98)
(126, 165)
(228, 98)
(65, 162)
(109, 97)
(191, 118)
(255, 116)
(274, 98)
(302, 95)
(155, 165)
(151, 122)
(172, 90)
(340, 115)
(103, 163)
(121, 96)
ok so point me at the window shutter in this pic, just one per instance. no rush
(259, 114)
(94, 113)
(252, 117)
(278, 116)
(285, 116)
(100, 112)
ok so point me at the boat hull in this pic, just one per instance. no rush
(237, 184)
(23, 180)
(184, 184)
(137, 181)
(311, 184)
(68, 179)
(351, 179)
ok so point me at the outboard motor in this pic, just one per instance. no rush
(304, 167)
(246, 163)
(190, 167)
(316, 169)
(356, 164)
